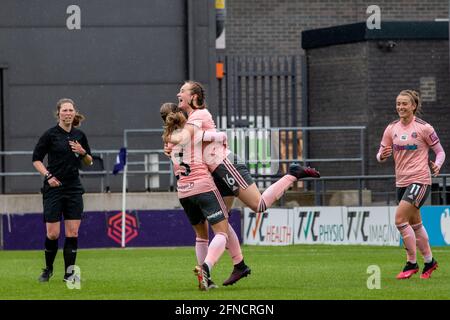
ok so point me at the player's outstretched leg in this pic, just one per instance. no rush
(277, 189)
(300, 172)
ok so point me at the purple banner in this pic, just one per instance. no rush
(152, 228)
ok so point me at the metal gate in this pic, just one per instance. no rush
(261, 93)
(257, 92)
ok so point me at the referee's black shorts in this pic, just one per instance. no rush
(65, 200)
(207, 205)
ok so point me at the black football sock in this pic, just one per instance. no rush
(70, 253)
(51, 249)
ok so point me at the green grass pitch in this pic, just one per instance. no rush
(279, 273)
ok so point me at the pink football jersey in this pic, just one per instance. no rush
(213, 152)
(193, 176)
(410, 145)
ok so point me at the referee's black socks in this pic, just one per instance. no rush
(70, 253)
(51, 248)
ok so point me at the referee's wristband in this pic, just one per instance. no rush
(48, 176)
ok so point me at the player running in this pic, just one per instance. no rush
(408, 139)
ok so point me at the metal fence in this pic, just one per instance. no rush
(266, 152)
(387, 196)
(144, 163)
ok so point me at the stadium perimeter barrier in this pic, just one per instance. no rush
(336, 225)
(102, 229)
(268, 151)
(148, 167)
(339, 225)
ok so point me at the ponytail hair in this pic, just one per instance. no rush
(78, 119)
(78, 116)
(197, 89)
(167, 108)
(174, 121)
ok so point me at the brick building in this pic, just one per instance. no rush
(274, 27)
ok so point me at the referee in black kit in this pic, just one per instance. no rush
(62, 192)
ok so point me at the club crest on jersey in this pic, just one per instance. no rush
(414, 135)
(404, 137)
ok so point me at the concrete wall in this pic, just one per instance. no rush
(409, 64)
(338, 83)
(127, 59)
(95, 202)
